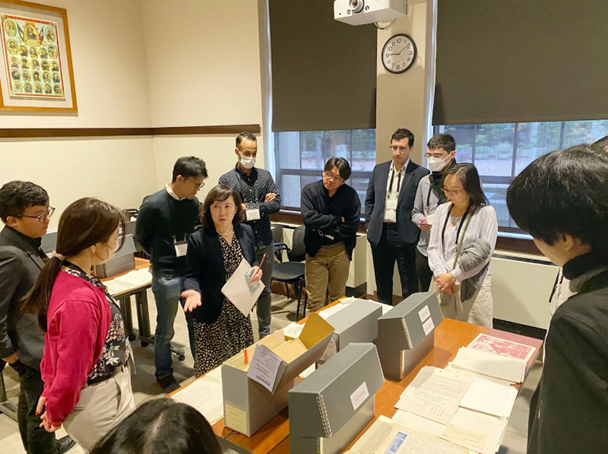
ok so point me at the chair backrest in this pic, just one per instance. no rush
(298, 249)
(277, 233)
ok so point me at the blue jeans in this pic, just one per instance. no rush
(167, 295)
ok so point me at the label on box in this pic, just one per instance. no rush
(424, 313)
(428, 326)
(235, 419)
(359, 396)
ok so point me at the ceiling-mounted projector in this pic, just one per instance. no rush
(360, 12)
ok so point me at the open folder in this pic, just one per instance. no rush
(240, 291)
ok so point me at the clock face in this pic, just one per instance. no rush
(399, 54)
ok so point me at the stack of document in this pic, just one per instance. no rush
(490, 364)
(502, 347)
(205, 394)
(128, 282)
(468, 411)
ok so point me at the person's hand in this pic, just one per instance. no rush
(270, 197)
(244, 206)
(193, 300)
(424, 227)
(11, 359)
(445, 282)
(256, 275)
(45, 420)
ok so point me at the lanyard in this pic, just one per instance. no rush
(390, 188)
(257, 200)
(445, 224)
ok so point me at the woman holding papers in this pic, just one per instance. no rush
(460, 248)
(214, 254)
(85, 365)
(561, 199)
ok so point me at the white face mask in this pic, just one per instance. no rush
(247, 162)
(111, 254)
(437, 164)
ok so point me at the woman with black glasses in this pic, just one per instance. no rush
(461, 245)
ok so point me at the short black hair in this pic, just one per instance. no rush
(442, 142)
(601, 145)
(563, 193)
(403, 133)
(220, 193)
(161, 426)
(468, 176)
(189, 166)
(245, 135)
(341, 164)
(16, 196)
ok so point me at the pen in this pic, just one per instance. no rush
(262, 261)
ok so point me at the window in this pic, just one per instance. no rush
(501, 151)
(300, 158)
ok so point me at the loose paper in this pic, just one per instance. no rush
(419, 423)
(476, 431)
(502, 347)
(238, 291)
(491, 364)
(469, 373)
(264, 367)
(293, 330)
(129, 281)
(204, 394)
(434, 395)
(487, 397)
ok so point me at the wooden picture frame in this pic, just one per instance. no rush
(36, 72)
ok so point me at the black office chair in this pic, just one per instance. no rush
(294, 271)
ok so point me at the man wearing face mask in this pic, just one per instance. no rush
(261, 198)
(441, 155)
(165, 221)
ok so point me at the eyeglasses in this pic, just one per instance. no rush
(448, 192)
(41, 217)
(330, 176)
(197, 185)
(399, 149)
(434, 155)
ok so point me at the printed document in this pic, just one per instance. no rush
(510, 369)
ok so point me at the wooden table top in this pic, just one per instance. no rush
(450, 335)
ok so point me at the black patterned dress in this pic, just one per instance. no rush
(231, 332)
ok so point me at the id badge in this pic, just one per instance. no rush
(181, 248)
(253, 212)
(391, 204)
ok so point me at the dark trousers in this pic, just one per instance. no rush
(389, 250)
(35, 439)
(425, 275)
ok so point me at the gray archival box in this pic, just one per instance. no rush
(332, 406)
(406, 334)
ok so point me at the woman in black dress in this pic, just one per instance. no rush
(214, 253)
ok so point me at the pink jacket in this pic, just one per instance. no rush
(77, 325)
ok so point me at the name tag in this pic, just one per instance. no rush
(391, 204)
(181, 249)
(253, 212)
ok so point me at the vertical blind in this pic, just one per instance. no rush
(323, 71)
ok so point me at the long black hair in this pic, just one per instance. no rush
(160, 426)
(468, 176)
(84, 223)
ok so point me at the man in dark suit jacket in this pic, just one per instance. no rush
(388, 207)
(24, 208)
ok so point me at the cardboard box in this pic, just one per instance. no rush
(332, 406)
(248, 404)
(357, 322)
(406, 334)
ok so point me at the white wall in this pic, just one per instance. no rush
(110, 72)
(204, 69)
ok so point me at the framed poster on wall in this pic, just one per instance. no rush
(36, 73)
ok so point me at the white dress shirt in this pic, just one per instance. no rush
(171, 193)
(393, 186)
